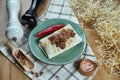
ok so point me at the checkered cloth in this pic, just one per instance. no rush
(42, 71)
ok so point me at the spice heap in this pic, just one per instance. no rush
(87, 67)
(104, 15)
(23, 60)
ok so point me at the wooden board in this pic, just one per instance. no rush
(92, 35)
(9, 71)
(3, 21)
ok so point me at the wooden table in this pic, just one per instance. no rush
(8, 71)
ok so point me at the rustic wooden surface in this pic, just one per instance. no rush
(3, 20)
(9, 72)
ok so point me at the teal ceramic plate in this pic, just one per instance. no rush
(67, 56)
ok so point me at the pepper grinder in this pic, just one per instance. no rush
(14, 29)
(30, 16)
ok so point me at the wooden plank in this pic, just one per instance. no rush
(4, 69)
(9, 71)
(3, 21)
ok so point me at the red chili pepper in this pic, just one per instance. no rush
(49, 30)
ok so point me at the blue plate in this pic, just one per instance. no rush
(65, 57)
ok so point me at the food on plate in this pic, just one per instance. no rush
(104, 16)
(59, 41)
(87, 67)
(49, 30)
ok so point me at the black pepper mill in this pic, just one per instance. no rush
(30, 16)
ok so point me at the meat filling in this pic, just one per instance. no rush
(60, 39)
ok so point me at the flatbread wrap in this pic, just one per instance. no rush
(59, 41)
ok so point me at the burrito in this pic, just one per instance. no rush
(59, 41)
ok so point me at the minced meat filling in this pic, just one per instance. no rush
(60, 38)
